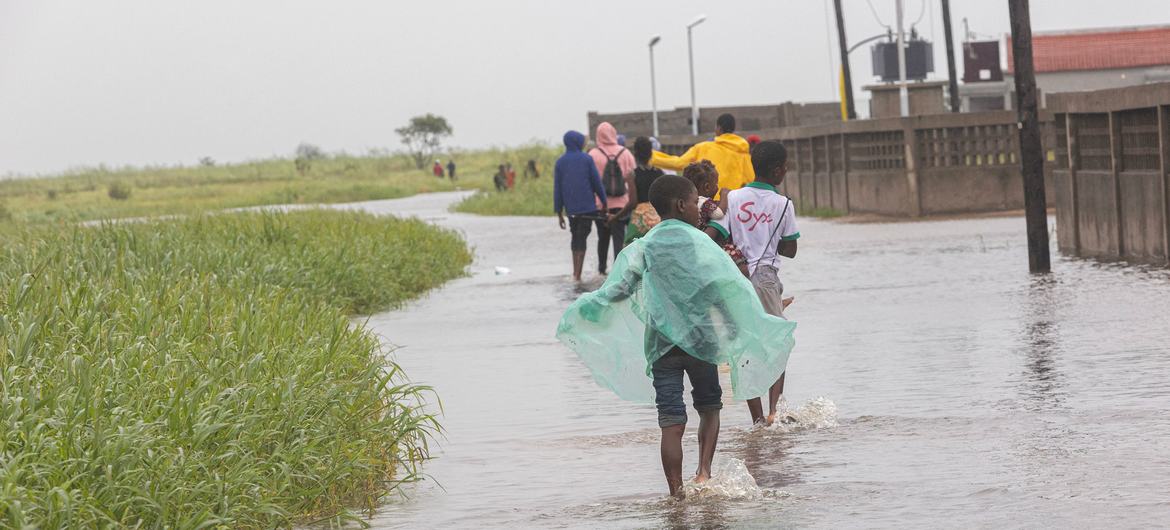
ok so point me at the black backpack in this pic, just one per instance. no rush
(611, 177)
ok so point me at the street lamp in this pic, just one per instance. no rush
(653, 91)
(691, 60)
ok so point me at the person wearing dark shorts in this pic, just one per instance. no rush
(577, 191)
(707, 397)
(580, 226)
(668, 386)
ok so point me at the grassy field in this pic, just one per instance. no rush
(86, 195)
(529, 197)
(204, 372)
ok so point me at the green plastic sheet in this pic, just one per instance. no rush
(675, 286)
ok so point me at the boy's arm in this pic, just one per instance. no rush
(558, 203)
(787, 248)
(616, 292)
(677, 163)
(788, 233)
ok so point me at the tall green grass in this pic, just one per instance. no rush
(204, 372)
(529, 197)
(84, 195)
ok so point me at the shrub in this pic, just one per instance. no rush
(119, 191)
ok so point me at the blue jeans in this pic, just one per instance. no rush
(668, 386)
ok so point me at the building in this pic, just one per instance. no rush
(677, 121)
(1079, 60)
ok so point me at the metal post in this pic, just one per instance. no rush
(850, 111)
(953, 85)
(653, 88)
(903, 95)
(1031, 151)
(691, 60)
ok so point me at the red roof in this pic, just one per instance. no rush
(1098, 49)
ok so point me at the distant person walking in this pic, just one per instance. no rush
(616, 166)
(510, 175)
(437, 169)
(729, 152)
(500, 179)
(644, 216)
(577, 191)
(530, 170)
(451, 169)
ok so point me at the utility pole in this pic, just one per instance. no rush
(691, 61)
(1031, 152)
(903, 94)
(847, 77)
(653, 89)
(953, 86)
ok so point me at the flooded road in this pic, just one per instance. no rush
(957, 390)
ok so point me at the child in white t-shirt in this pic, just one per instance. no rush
(762, 223)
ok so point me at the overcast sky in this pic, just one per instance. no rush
(118, 82)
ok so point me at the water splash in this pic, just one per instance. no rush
(817, 413)
(730, 480)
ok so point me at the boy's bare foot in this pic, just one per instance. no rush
(787, 302)
(771, 419)
(701, 478)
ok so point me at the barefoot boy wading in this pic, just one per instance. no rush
(676, 304)
(762, 223)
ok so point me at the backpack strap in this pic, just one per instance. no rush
(607, 157)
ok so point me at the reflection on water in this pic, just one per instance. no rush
(1043, 382)
(970, 393)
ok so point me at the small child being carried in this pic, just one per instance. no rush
(706, 180)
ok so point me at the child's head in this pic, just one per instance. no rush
(770, 160)
(704, 176)
(675, 197)
(643, 150)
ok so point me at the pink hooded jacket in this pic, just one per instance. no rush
(606, 140)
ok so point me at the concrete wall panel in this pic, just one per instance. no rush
(1144, 225)
(1096, 214)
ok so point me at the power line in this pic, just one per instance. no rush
(921, 11)
(875, 15)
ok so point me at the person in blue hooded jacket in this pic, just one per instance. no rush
(577, 190)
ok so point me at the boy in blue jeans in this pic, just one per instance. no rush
(675, 304)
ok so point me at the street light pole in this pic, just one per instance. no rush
(903, 94)
(653, 90)
(691, 60)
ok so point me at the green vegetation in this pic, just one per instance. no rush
(203, 372)
(87, 195)
(529, 197)
(821, 212)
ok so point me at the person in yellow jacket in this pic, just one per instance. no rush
(729, 152)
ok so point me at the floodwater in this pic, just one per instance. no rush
(936, 382)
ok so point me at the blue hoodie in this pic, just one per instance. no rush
(575, 179)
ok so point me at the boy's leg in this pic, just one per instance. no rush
(756, 410)
(672, 457)
(579, 230)
(708, 398)
(672, 414)
(603, 235)
(618, 230)
(774, 394)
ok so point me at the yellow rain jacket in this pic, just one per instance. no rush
(728, 152)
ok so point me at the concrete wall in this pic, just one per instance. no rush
(749, 118)
(1113, 177)
(917, 166)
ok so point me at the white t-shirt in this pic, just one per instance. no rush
(757, 219)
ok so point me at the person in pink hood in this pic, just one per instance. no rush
(616, 166)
